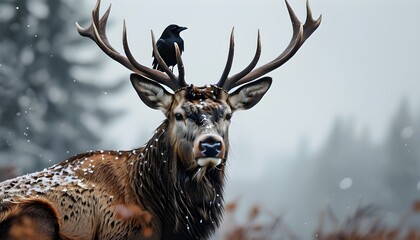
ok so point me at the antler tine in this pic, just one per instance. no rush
(300, 34)
(101, 24)
(180, 64)
(310, 24)
(231, 80)
(89, 32)
(229, 61)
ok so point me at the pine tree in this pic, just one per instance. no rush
(46, 114)
(402, 170)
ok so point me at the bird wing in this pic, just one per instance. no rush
(181, 44)
(159, 45)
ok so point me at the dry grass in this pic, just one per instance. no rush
(253, 228)
(365, 224)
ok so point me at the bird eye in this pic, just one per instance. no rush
(228, 116)
(178, 116)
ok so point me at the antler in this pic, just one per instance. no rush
(300, 34)
(97, 32)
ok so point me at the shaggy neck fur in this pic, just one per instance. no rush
(187, 201)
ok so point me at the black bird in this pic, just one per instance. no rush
(165, 45)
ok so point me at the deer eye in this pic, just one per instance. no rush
(179, 117)
(228, 116)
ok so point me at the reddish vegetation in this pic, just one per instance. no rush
(252, 228)
(365, 224)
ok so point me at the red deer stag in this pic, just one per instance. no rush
(177, 177)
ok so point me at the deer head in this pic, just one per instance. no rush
(198, 117)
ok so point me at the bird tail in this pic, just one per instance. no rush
(155, 65)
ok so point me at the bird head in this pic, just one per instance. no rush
(172, 29)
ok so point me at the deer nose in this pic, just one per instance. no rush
(211, 148)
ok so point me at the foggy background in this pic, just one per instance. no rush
(338, 129)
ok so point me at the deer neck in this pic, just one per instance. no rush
(189, 207)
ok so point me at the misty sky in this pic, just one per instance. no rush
(360, 64)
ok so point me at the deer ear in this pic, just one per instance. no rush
(151, 93)
(250, 94)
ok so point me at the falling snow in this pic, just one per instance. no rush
(346, 183)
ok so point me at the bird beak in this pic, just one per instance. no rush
(180, 29)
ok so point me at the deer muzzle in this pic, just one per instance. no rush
(209, 150)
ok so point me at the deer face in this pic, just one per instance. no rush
(199, 117)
